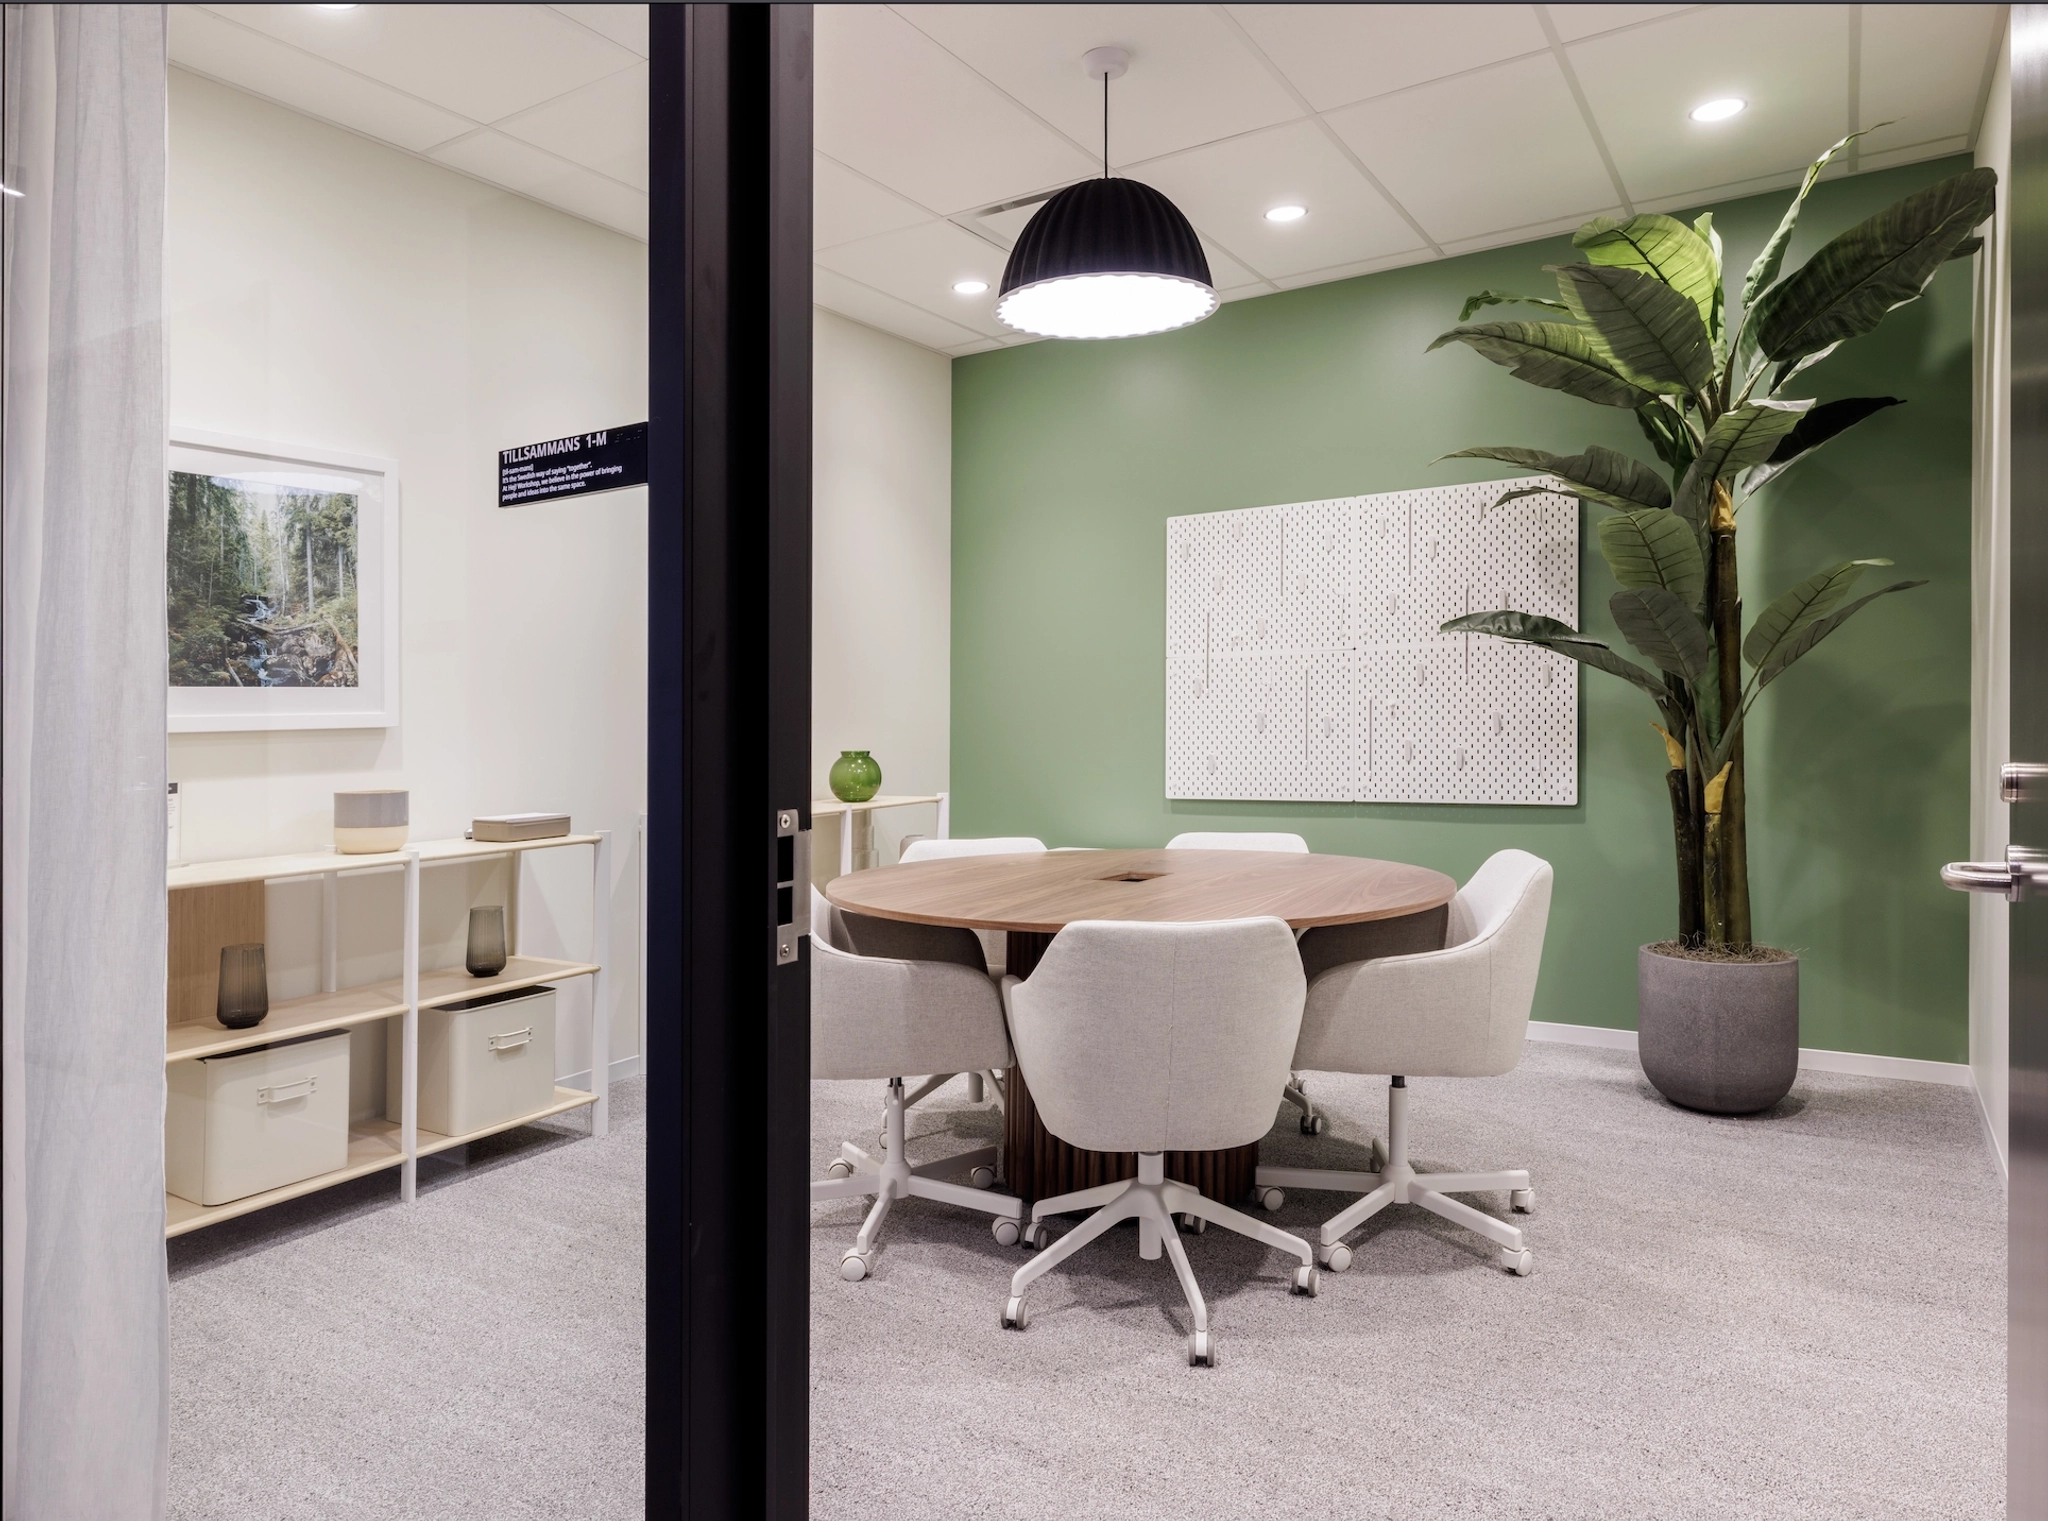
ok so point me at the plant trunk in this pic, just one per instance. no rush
(1728, 843)
(1686, 834)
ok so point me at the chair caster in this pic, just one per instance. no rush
(982, 1177)
(1014, 1318)
(1522, 1200)
(1201, 1350)
(1314, 1124)
(1006, 1231)
(1036, 1236)
(839, 1167)
(1307, 1281)
(1194, 1225)
(1521, 1263)
(1336, 1258)
(853, 1267)
(1270, 1199)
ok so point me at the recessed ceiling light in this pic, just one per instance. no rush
(1719, 110)
(969, 287)
(1287, 213)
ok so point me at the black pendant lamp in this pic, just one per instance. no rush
(1106, 258)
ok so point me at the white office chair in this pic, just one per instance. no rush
(994, 947)
(1458, 1012)
(1154, 1038)
(875, 1016)
(1293, 844)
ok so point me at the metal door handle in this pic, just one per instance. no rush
(511, 1039)
(2020, 783)
(2022, 873)
(278, 1093)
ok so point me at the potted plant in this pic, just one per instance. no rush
(1640, 324)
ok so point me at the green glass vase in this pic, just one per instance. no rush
(855, 777)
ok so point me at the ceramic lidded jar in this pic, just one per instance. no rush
(371, 822)
(855, 777)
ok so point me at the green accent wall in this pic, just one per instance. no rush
(1069, 457)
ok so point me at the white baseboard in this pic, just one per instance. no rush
(1856, 1063)
(624, 1067)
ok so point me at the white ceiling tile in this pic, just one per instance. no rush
(520, 167)
(483, 61)
(1642, 82)
(1191, 79)
(979, 346)
(1006, 226)
(1226, 273)
(1915, 153)
(624, 24)
(895, 105)
(212, 45)
(1483, 151)
(1226, 188)
(1357, 267)
(1576, 21)
(1922, 68)
(602, 126)
(845, 206)
(1335, 54)
(1529, 232)
(919, 265)
(850, 298)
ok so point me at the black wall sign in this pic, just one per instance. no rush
(579, 465)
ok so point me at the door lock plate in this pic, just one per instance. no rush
(792, 884)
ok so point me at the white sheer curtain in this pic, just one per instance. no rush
(82, 914)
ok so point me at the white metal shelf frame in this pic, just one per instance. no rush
(329, 867)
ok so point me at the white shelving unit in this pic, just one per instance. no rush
(377, 1144)
(831, 807)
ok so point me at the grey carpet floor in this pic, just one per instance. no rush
(477, 1354)
(1795, 1315)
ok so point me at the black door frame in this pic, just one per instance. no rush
(729, 697)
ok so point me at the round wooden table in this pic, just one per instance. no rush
(1033, 897)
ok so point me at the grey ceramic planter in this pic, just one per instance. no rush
(1720, 1036)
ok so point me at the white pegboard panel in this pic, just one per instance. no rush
(1303, 662)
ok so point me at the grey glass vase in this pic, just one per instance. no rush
(486, 955)
(244, 997)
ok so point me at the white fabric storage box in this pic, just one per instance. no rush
(238, 1124)
(482, 1061)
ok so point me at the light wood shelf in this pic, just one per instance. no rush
(373, 1145)
(317, 863)
(453, 984)
(828, 807)
(564, 1100)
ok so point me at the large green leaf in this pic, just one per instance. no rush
(1967, 247)
(1533, 628)
(1655, 334)
(1768, 263)
(1654, 244)
(1669, 436)
(1807, 638)
(1884, 262)
(1814, 429)
(1737, 440)
(1502, 298)
(1657, 621)
(1655, 549)
(1560, 356)
(1606, 476)
(1793, 612)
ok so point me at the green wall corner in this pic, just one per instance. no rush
(1069, 457)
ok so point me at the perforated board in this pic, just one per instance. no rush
(1303, 662)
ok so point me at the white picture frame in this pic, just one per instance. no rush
(373, 701)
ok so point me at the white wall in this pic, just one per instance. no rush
(325, 290)
(882, 578)
(1990, 619)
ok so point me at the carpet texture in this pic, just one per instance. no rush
(1800, 1314)
(477, 1354)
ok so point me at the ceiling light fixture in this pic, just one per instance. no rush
(969, 287)
(1287, 213)
(1106, 258)
(1719, 110)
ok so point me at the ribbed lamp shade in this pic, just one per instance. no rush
(1106, 259)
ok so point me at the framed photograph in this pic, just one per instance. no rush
(283, 586)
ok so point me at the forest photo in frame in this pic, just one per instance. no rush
(282, 586)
